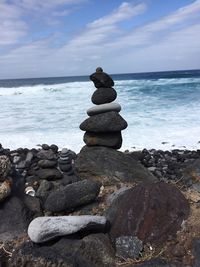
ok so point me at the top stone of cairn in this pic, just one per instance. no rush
(101, 79)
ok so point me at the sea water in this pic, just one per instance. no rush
(162, 110)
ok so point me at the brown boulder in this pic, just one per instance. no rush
(152, 212)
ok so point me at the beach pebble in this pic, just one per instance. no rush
(104, 108)
(43, 229)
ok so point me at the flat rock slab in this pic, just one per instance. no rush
(103, 96)
(43, 229)
(103, 108)
(152, 212)
(106, 122)
(110, 166)
(110, 139)
(72, 196)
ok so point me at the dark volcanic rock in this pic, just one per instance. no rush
(196, 252)
(61, 254)
(14, 219)
(101, 79)
(49, 174)
(128, 247)
(105, 122)
(110, 139)
(46, 154)
(192, 172)
(104, 95)
(152, 212)
(157, 263)
(45, 163)
(109, 166)
(72, 196)
(95, 251)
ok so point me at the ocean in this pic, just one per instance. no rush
(162, 110)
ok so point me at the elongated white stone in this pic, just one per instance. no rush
(104, 108)
(43, 229)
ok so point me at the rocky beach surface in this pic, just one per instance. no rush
(126, 209)
(100, 207)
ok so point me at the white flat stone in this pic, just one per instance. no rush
(43, 229)
(104, 108)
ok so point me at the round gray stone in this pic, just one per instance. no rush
(103, 108)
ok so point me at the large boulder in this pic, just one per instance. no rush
(106, 122)
(109, 166)
(72, 196)
(152, 212)
(104, 95)
(43, 229)
(110, 139)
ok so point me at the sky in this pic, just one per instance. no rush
(52, 38)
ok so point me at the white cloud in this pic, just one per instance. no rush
(44, 4)
(11, 26)
(123, 12)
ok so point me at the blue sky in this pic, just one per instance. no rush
(72, 37)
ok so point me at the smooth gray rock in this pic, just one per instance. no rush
(106, 122)
(104, 108)
(43, 229)
(72, 196)
(109, 139)
(103, 96)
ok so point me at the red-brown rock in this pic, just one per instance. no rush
(152, 212)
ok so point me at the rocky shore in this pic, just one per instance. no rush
(99, 208)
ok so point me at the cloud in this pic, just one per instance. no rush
(99, 30)
(11, 26)
(123, 12)
(44, 4)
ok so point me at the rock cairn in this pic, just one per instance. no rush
(104, 125)
(65, 161)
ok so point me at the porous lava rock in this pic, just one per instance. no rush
(14, 219)
(109, 166)
(110, 139)
(105, 122)
(152, 212)
(104, 95)
(72, 196)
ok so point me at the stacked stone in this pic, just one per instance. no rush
(104, 125)
(65, 161)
